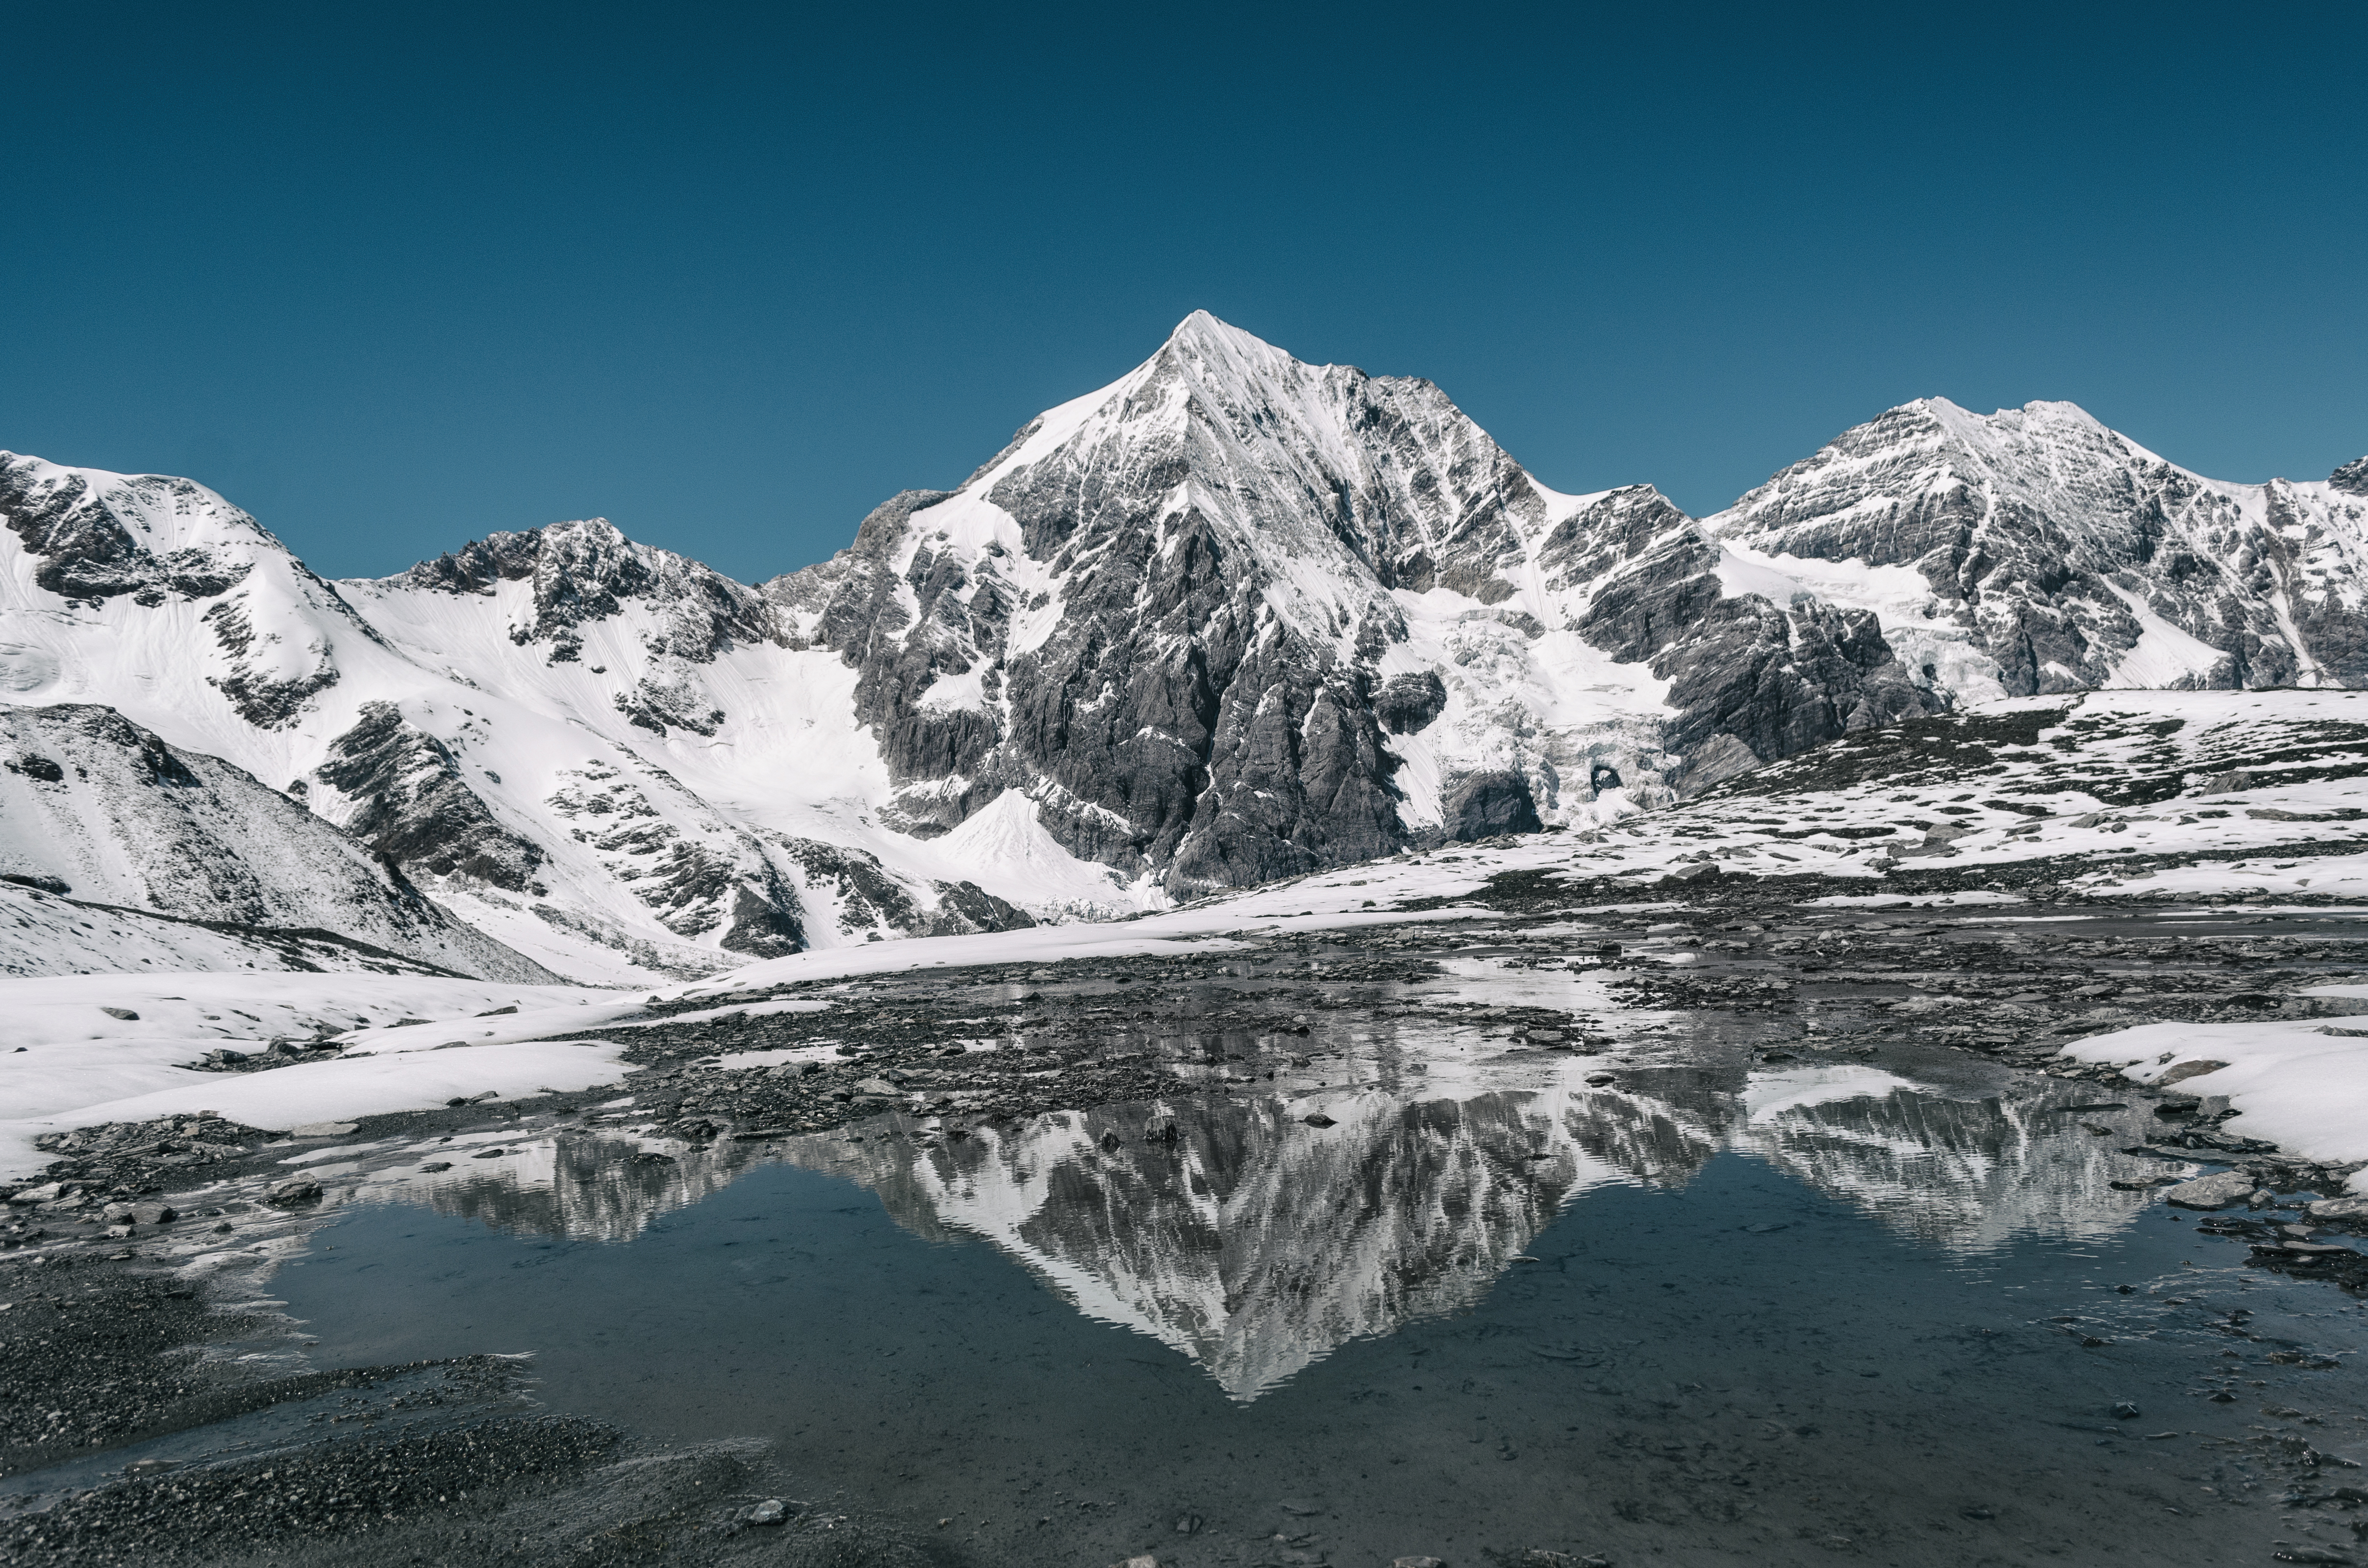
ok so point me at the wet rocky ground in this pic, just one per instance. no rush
(107, 1345)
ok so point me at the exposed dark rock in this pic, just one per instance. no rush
(412, 805)
(86, 550)
(1408, 703)
(157, 833)
(587, 571)
(1485, 804)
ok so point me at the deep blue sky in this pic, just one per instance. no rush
(392, 276)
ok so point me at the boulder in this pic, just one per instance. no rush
(2224, 1190)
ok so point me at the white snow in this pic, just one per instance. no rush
(2301, 1084)
(65, 1063)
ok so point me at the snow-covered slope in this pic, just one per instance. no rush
(93, 806)
(1231, 618)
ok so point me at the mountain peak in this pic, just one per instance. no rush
(1212, 347)
(1201, 329)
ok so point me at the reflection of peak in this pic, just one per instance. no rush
(584, 1187)
(1250, 1242)
(1966, 1174)
(1255, 1245)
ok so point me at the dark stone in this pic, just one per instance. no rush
(85, 550)
(1482, 805)
(415, 808)
(1409, 703)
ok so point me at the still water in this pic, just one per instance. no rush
(1722, 1313)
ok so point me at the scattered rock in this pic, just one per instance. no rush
(126, 1013)
(1317, 1119)
(771, 1511)
(293, 1192)
(321, 1128)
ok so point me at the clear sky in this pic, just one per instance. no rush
(392, 277)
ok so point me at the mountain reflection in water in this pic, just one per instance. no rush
(1255, 1243)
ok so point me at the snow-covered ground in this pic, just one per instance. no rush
(70, 1057)
(2301, 1084)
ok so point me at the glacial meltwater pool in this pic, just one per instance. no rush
(1720, 1314)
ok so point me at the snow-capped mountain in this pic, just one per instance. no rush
(2035, 550)
(1235, 616)
(1231, 618)
(514, 727)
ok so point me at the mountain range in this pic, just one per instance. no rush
(1230, 618)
